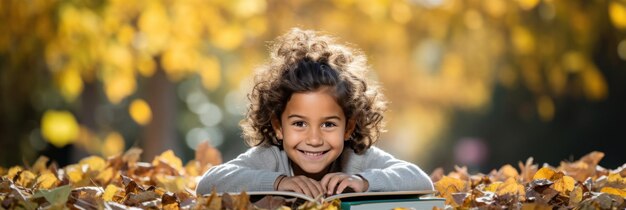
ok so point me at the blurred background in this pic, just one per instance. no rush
(476, 83)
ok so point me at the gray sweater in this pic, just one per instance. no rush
(258, 168)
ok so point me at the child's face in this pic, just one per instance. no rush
(313, 129)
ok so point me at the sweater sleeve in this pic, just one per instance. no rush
(386, 173)
(254, 170)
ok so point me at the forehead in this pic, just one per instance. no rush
(318, 103)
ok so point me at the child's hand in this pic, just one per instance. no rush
(301, 184)
(336, 183)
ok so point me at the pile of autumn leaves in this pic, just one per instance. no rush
(123, 182)
(582, 184)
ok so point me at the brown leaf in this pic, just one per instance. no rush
(207, 155)
(437, 174)
(170, 201)
(270, 202)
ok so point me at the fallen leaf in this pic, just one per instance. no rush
(57, 195)
(170, 159)
(564, 185)
(544, 173)
(614, 191)
(447, 186)
(109, 192)
(47, 180)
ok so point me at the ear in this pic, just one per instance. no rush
(350, 126)
(278, 129)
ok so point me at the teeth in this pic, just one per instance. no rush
(313, 153)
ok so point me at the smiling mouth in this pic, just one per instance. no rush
(313, 154)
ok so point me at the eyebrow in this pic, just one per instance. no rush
(326, 118)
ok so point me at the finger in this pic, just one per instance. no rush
(320, 189)
(343, 184)
(332, 184)
(325, 180)
(302, 183)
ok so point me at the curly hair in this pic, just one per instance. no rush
(303, 61)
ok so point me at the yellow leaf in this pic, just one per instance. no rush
(170, 183)
(564, 185)
(493, 186)
(26, 179)
(169, 158)
(59, 127)
(576, 196)
(192, 168)
(544, 173)
(74, 173)
(508, 171)
(94, 163)
(47, 180)
(13, 172)
(106, 175)
(140, 111)
(510, 186)
(109, 192)
(614, 191)
(616, 178)
(448, 185)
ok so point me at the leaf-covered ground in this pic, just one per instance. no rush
(123, 182)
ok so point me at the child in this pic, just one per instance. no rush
(312, 121)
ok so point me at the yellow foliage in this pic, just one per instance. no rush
(74, 173)
(523, 40)
(448, 185)
(140, 112)
(595, 86)
(614, 191)
(59, 127)
(511, 186)
(493, 187)
(113, 144)
(508, 171)
(210, 73)
(544, 173)
(26, 178)
(70, 83)
(109, 192)
(616, 178)
(13, 171)
(170, 183)
(93, 163)
(527, 4)
(170, 159)
(47, 180)
(617, 12)
(564, 185)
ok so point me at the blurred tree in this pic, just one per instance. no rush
(151, 73)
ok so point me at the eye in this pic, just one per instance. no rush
(329, 125)
(299, 124)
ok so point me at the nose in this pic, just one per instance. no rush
(314, 138)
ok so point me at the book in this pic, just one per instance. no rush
(362, 201)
